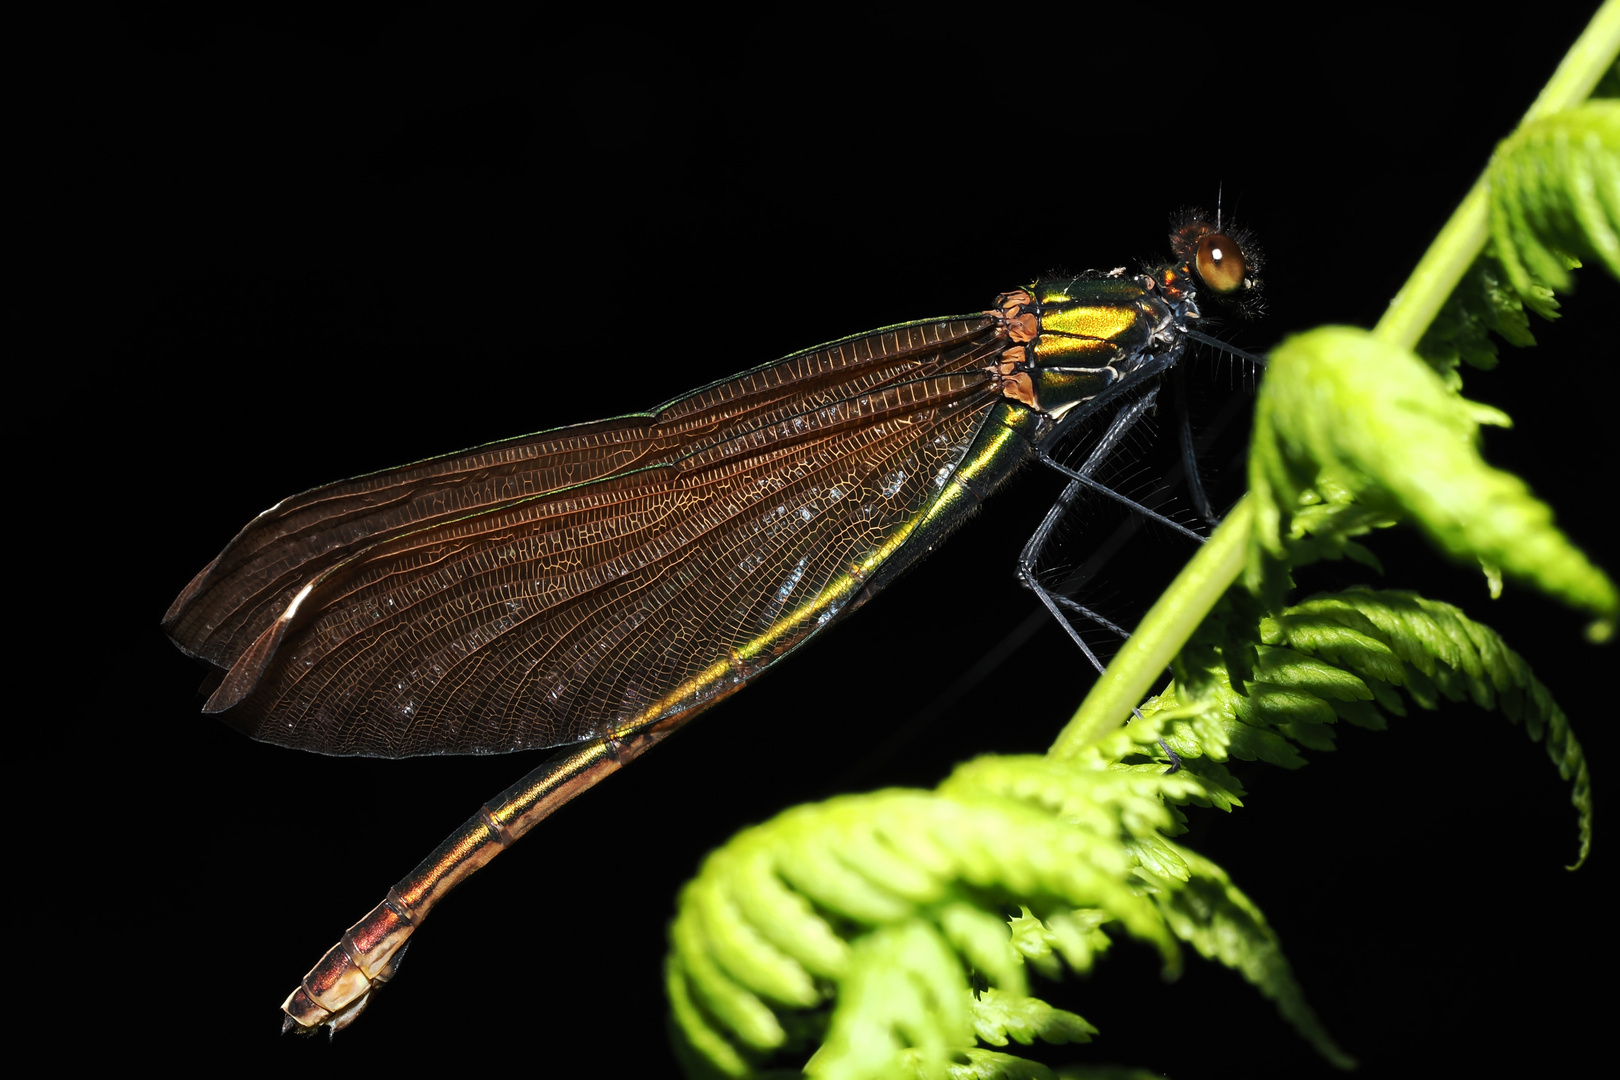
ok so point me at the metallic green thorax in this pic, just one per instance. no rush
(1071, 340)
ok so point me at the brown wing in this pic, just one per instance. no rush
(553, 588)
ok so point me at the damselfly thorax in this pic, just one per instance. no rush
(594, 587)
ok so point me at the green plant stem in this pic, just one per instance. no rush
(1164, 629)
(1463, 237)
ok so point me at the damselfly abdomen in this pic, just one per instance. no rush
(594, 587)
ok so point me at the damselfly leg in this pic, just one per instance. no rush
(1189, 452)
(1083, 479)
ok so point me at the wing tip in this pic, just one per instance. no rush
(192, 590)
(246, 673)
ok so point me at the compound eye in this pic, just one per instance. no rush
(1220, 263)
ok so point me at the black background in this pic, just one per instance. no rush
(310, 249)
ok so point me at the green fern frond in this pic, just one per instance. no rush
(1334, 656)
(999, 1017)
(1555, 197)
(1342, 411)
(982, 1065)
(1223, 924)
(1464, 659)
(785, 909)
(904, 996)
(1483, 303)
(886, 902)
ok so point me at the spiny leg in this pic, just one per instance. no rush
(1230, 350)
(1189, 451)
(1111, 438)
(1030, 556)
(1135, 507)
(1082, 478)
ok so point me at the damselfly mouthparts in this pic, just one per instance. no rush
(595, 587)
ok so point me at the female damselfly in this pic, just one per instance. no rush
(595, 587)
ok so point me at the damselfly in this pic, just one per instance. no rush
(595, 587)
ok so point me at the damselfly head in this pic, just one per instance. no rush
(1225, 263)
